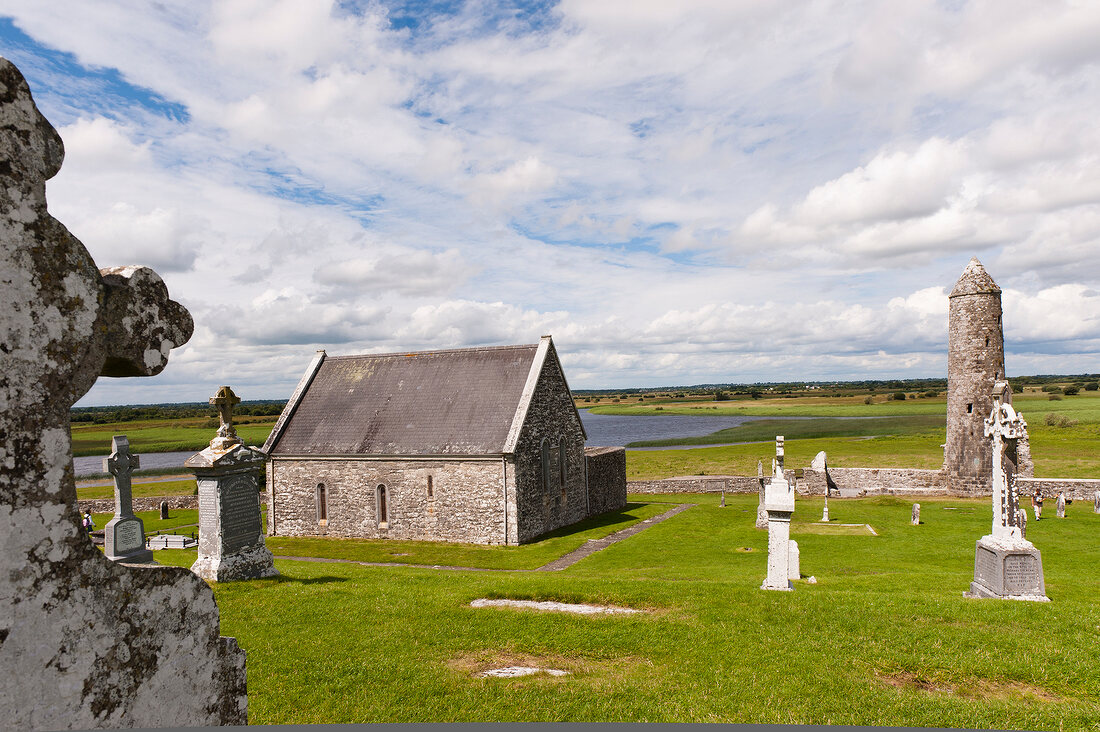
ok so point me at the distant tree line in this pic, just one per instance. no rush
(105, 415)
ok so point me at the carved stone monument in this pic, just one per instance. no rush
(761, 514)
(124, 535)
(1006, 565)
(793, 564)
(1096, 502)
(84, 642)
(821, 463)
(779, 503)
(1060, 506)
(1021, 521)
(231, 537)
(915, 520)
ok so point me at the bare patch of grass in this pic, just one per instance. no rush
(970, 688)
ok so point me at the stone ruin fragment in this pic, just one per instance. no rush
(84, 642)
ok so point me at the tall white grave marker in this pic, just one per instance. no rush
(1006, 565)
(779, 503)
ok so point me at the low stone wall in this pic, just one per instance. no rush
(148, 503)
(1076, 489)
(700, 484)
(875, 480)
(606, 469)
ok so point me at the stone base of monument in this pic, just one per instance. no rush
(251, 563)
(1009, 569)
(124, 541)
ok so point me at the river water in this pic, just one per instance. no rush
(602, 429)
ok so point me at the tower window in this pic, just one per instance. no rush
(430, 492)
(970, 408)
(987, 341)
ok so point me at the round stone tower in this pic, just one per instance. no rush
(975, 360)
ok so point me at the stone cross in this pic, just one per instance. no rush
(1005, 427)
(120, 464)
(779, 505)
(225, 400)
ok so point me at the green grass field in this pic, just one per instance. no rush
(167, 435)
(140, 489)
(883, 638)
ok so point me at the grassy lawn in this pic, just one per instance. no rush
(526, 556)
(140, 490)
(883, 638)
(162, 435)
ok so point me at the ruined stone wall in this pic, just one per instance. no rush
(975, 359)
(146, 503)
(876, 480)
(540, 507)
(466, 502)
(1077, 489)
(606, 468)
(701, 484)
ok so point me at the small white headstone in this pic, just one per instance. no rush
(1060, 506)
(1096, 502)
(916, 515)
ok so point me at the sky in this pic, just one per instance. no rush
(706, 191)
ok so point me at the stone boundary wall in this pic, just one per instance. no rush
(700, 484)
(1076, 489)
(606, 470)
(875, 480)
(147, 503)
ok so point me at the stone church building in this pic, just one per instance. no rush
(479, 445)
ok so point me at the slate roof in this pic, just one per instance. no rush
(974, 280)
(456, 402)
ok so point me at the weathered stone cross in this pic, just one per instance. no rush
(225, 400)
(1005, 427)
(120, 464)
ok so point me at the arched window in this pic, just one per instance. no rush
(383, 514)
(321, 500)
(562, 465)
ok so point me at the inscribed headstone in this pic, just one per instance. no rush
(1060, 506)
(779, 503)
(231, 537)
(124, 535)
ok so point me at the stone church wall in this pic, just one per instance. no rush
(541, 508)
(606, 468)
(466, 503)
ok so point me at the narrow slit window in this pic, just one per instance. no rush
(545, 465)
(431, 491)
(383, 513)
(562, 465)
(322, 504)
(970, 408)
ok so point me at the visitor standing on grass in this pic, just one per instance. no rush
(1037, 503)
(88, 523)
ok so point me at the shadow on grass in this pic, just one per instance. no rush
(609, 518)
(283, 579)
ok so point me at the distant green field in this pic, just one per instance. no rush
(883, 638)
(767, 429)
(160, 435)
(139, 490)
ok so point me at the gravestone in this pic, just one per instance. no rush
(84, 642)
(1060, 506)
(779, 503)
(124, 535)
(916, 515)
(164, 510)
(1096, 502)
(761, 514)
(231, 537)
(1006, 565)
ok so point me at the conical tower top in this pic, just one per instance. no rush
(974, 280)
